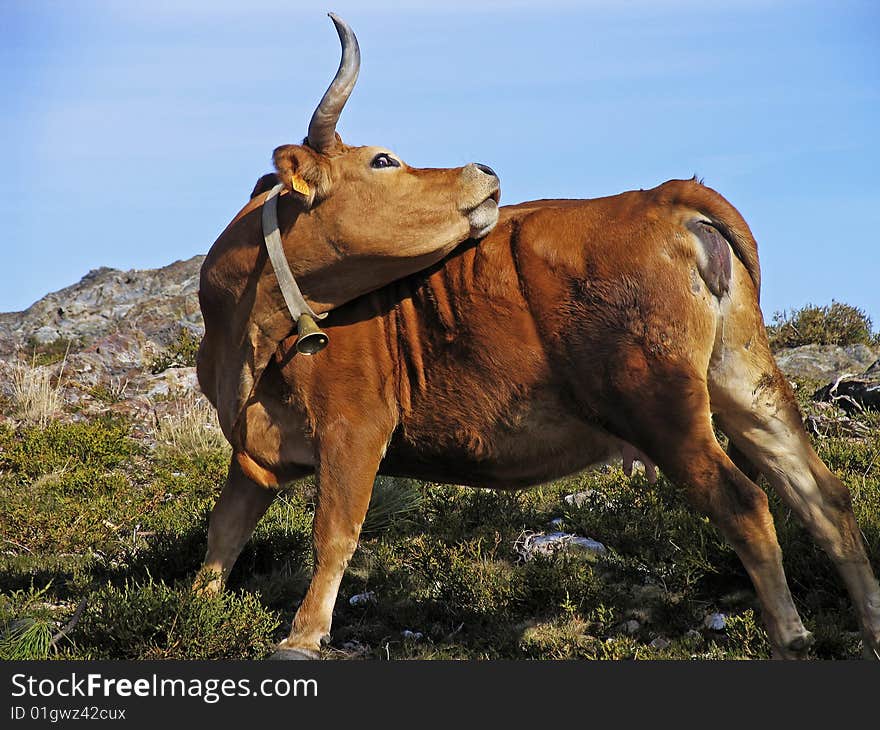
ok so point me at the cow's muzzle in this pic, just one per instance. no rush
(482, 207)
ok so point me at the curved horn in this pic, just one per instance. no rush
(322, 127)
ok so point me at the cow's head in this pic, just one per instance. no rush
(367, 198)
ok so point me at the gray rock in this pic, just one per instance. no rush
(825, 362)
(362, 599)
(172, 381)
(531, 544)
(46, 335)
(578, 499)
(659, 643)
(715, 621)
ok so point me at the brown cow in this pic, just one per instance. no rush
(576, 331)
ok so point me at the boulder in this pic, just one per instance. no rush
(825, 362)
(531, 544)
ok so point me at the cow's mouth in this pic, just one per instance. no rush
(484, 216)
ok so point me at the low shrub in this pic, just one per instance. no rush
(838, 324)
(152, 620)
(181, 353)
(50, 353)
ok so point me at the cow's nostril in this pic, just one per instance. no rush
(485, 168)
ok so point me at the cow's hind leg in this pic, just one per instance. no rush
(669, 419)
(235, 515)
(346, 468)
(757, 410)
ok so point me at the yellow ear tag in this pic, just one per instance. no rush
(300, 185)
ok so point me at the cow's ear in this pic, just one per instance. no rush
(304, 173)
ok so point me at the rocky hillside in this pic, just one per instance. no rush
(113, 331)
(147, 304)
(107, 337)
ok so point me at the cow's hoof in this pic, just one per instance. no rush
(801, 645)
(797, 648)
(288, 655)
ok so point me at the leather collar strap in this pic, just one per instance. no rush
(293, 297)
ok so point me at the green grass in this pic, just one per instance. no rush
(88, 512)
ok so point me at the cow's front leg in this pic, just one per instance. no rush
(346, 467)
(235, 515)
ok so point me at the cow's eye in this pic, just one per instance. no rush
(383, 159)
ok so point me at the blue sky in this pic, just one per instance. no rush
(133, 131)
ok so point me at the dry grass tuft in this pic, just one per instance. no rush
(190, 428)
(36, 392)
